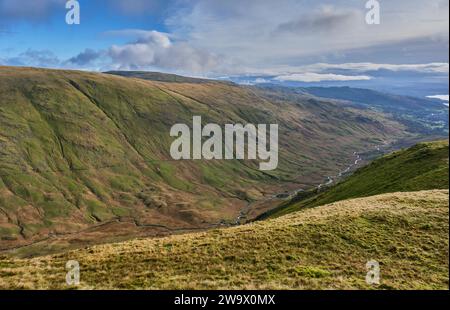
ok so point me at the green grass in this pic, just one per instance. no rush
(319, 248)
(421, 167)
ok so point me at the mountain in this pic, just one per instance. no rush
(160, 77)
(406, 83)
(422, 114)
(421, 167)
(84, 157)
(326, 247)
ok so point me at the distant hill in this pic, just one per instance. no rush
(418, 113)
(161, 77)
(422, 167)
(321, 248)
(373, 98)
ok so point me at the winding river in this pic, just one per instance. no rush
(243, 214)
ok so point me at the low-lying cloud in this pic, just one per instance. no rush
(310, 77)
(437, 67)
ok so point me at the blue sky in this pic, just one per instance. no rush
(284, 41)
(48, 30)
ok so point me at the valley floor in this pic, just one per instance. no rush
(321, 248)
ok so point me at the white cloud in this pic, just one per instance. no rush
(317, 77)
(265, 33)
(155, 50)
(440, 97)
(352, 68)
(366, 66)
(140, 53)
(143, 36)
(261, 81)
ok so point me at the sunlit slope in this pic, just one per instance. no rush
(421, 167)
(79, 148)
(320, 248)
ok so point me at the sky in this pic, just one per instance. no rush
(249, 41)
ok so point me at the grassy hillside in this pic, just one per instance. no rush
(422, 167)
(321, 248)
(81, 150)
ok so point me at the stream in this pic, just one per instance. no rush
(242, 217)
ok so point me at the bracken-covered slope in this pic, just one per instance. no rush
(320, 248)
(83, 150)
(421, 167)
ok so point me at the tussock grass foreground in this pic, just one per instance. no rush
(321, 248)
